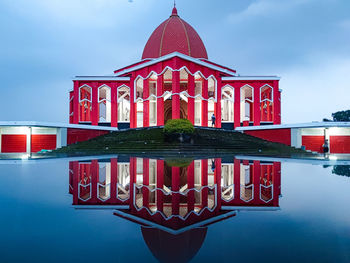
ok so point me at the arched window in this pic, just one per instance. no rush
(168, 77)
(153, 100)
(266, 183)
(85, 103)
(123, 104)
(227, 186)
(139, 102)
(104, 181)
(104, 103)
(227, 104)
(212, 97)
(247, 100)
(247, 186)
(123, 184)
(84, 185)
(212, 88)
(198, 100)
(266, 103)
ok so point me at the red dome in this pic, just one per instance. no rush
(174, 35)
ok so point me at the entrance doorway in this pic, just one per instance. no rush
(168, 110)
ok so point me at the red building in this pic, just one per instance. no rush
(175, 79)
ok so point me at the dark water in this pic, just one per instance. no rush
(143, 210)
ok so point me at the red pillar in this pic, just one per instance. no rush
(114, 179)
(257, 111)
(237, 106)
(190, 104)
(132, 103)
(95, 108)
(160, 184)
(145, 191)
(237, 179)
(75, 185)
(205, 183)
(76, 103)
(217, 108)
(205, 103)
(94, 179)
(132, 182)
(176, 97)
(190, 183)
(256, 182)
(145, 103)
(276, 103)
(175, 183)
(114, 105)
(276, 180)
(160, 101)
(217, 176)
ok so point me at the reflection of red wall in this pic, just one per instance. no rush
(273, 135)
(339, 144)
(43, 141)
(313, 143)
(80, 135)
(14, 143)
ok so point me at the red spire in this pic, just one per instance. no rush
(174, 13)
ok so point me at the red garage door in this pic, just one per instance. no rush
(340, 144)
(313, 143)
(43, 142)
(13, 143)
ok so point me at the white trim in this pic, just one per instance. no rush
(297, 125)
(100, 207)
(250, 78)
(266, 187)
(250, 208)
(54, 125)
(175, 54)
(81, 87)
(170, 92)
(102, 78)
(270, 100)
(172, 231)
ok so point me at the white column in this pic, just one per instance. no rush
(29, 140)
(61, 137)
(295, 137)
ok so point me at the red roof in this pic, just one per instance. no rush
(174, 35)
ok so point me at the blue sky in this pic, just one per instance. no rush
(44, 44)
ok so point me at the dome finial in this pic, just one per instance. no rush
(174, 13)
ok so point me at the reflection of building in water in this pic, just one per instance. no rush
(180, 201)
(156, 189)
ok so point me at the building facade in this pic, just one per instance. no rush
(175, 79)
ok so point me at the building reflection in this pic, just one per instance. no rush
(175, 200)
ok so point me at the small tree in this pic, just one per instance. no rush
(341, 115)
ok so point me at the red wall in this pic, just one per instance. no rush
(43, 141)
(339, 144)
(80, 135)
(13, 143)
(313, 142)
(273, 135)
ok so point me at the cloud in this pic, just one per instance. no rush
(314, 90)
(265, 8)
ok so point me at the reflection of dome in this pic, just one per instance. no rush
(174, 248)
(174, 35)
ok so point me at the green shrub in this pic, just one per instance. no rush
(179, 162)
(179, 126)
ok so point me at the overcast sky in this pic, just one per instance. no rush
(45, 43)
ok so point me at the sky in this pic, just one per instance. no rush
(44, 44)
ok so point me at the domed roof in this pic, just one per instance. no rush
(170, 248)
(174, 35)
